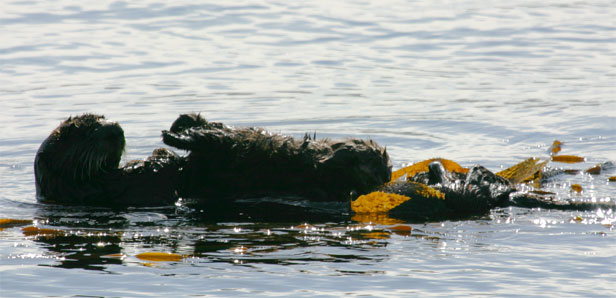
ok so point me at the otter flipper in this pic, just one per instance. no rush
(183, 141)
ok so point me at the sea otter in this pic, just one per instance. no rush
(79, 164)
(234, 163)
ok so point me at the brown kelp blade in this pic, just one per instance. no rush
(11, 222)
(35, 231)
(376, 218)
(556, 147)
(160, 257)
(576, 188)
(385, 199)
(568, 158)
(523, 170)
(422, 166)
(377, 202)
(595, 170)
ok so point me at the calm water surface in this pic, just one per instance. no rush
(479, 84)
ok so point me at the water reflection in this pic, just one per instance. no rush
(94, 239)
(486, 84)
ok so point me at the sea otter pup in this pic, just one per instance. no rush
(79, 164)
(234, 163)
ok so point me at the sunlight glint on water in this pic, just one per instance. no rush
(476, 83)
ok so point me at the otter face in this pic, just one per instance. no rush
(360, 164)
(80, 149)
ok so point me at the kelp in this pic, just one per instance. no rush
(556, 147)
(422, 166)
(576, 187)
(377, 202)
(596, 170)
(10, 222)
(383, 201)
(35, 231)
(160, 257)
(528, 169)
(401, 197)
(568, 158)
(376, 218)
(397, 194)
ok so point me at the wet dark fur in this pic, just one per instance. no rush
(79, 164)
(226, 162)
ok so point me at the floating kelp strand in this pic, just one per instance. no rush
(555, 148)
(523, 170)
(596, 170)
(10, 222)
(160, 257)
(568, 158)
(422, 166)
(576, 187)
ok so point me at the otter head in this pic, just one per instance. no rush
(79, 150)
(361, 165)
(186, 121)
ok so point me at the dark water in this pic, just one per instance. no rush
(479, 84)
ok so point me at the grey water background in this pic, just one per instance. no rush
(488, 83)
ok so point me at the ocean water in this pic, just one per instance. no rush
(478, 83)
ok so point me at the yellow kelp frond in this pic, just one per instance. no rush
(10, 222)
(412, 189)
(523, 170)
(576, 187)
(392, 195)
(422, 166)
(160, 257)
(596, 170)
(568, 158)
(377, 202)
(556, 147)
(376, 218)
(34, 231)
